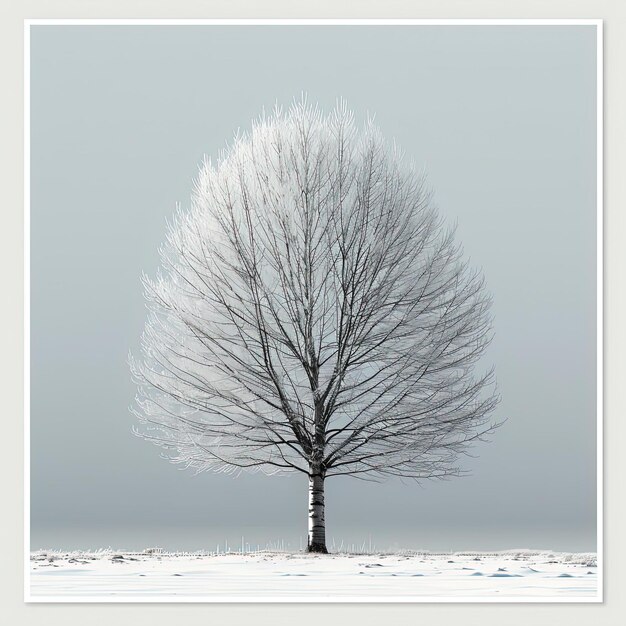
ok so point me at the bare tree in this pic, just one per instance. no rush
(314, 315)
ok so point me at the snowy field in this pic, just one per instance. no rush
(111, 575)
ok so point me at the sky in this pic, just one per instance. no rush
(502, 119)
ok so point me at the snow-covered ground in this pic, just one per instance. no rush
(111, 575)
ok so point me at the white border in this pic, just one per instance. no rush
(600, 304)
(26, 311)
(314, 22)
(598, 23)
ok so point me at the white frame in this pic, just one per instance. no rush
(598, 23)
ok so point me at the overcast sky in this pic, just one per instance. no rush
(502, 119)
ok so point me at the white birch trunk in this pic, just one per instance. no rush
(317, 523)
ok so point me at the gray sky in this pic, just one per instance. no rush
(503, 120)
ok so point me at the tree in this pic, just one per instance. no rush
(314, 315)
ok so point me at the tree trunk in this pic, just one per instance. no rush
(317, 523)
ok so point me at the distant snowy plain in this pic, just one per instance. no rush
(271, 576)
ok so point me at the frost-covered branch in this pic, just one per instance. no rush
(314, 312)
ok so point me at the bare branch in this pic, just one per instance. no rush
(314, 312)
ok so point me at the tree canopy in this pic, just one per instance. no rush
(313, 311)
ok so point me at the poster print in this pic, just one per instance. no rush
(344, 277)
